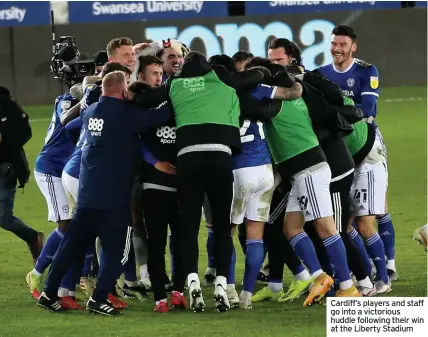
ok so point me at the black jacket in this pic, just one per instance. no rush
(196, 65)
(15, 132)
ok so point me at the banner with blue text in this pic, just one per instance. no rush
(24, 13)
(98, 11)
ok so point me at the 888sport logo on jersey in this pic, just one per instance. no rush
(167, 133)
(95, 126)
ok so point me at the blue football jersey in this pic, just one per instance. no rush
(359, 81)
(72, 168)
(90, 96)
(255, 150)
(58, 146)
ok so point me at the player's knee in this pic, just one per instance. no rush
(255, 230)
(325, 227)
(292, 224)
(365, 226)
(63, 225)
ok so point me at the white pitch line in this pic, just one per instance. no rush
(403, 99)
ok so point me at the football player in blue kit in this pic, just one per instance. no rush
(359, 81)
(47, 172)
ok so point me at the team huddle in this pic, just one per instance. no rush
(135, 156)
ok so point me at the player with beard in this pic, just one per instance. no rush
(359, 80)
(342, 166)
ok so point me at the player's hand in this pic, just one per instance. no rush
(370, 119)
(165, 167)
(140, 46)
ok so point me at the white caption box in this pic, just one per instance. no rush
(377, 317)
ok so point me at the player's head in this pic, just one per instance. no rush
(172, 55)
(114, 85)
(284, 52)
(120, 50)
(240, 58)
(223, 60)
(109, 67)
(100, 59)
(150, 70)
(265, 63)
(343, 44)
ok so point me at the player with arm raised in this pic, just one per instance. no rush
(47, 172)
(359, 81)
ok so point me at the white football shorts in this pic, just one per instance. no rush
(56, 199)
(71, 188)
(310, 193)
(368, 190)
(253, 189)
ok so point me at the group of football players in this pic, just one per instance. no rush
(309, 180)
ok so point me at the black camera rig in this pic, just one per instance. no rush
(66, 64)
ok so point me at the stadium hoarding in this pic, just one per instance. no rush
(311, 31)
(278, 7)
(103, 11)
(24, 13)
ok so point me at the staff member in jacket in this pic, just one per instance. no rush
(15, 132)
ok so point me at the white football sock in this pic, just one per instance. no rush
(144, 272)
(302, 276)
(275, 287)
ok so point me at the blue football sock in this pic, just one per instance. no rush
(305, 251)
(355, 237)
(336, 253)
(210, 248)
(298, 270)
(387, 234)
(49, 250)
(231, 274)
(253, 262)
(376, 251)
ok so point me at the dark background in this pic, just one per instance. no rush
(396, 44)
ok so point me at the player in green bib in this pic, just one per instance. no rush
(207, 109)
(300, 159)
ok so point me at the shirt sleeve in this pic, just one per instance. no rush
(150, 98)
(74, 124)
(148, 156)
(143, 119)
(370, 82)
(264, 91)
(368, 105)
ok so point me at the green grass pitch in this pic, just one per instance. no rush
(402, 119)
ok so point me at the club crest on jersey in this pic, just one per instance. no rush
(350, 82)
(65, 105)
(374, 82)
